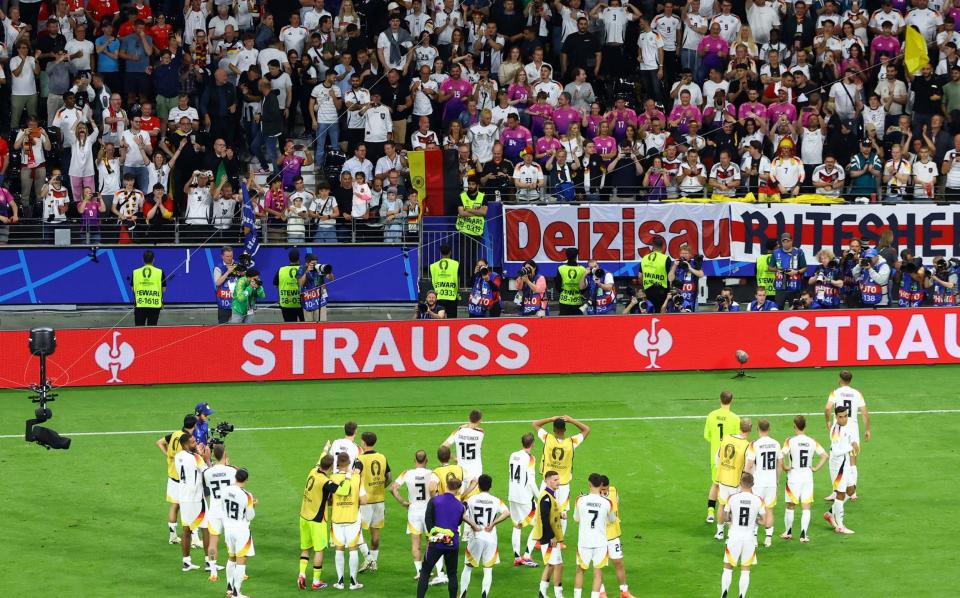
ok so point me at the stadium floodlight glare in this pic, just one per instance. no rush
(43, 342)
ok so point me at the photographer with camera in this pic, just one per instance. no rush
(827, 280)
(761, 303)
(687, 272)
(202, 430)
(789, 264)
(910, 276)
(805, 301)
(653, 270)
(638, 303)
(485, 292)
(600, 290)
(287, 281)
(850, 291)
(445, 279)
(225, 276)
(674, 303)
(430, 308)
(942, 279)
(567, 284)
(531, 291)
(249, 288)
(311, 278)
(725, 301)
(873, 276)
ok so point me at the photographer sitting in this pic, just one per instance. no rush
(725, 301)
(910, 277)
(638, 304)
(686, 271)
(312, 277)
(827, 280)
(249, 288)
(943, 280)
(789, 264)
(761, 303)
(806, 301)
(569, 276)
(850, 290)
(873, 276)
(430, 308)
(601, 292)
(485, 292)
(675, 302)
(531, 291)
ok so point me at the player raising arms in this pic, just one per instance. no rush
(376, 479)
(744, 510)
(558, 449)
(467, 445)
(190, 468)
(487, 511)
(614, 545)
(764, 463)
(416, 480)
(548, 533)
(798, 451)
(317, 496)
(719, 420)
(730, 462)
(216, 479)
(170, 445)
(594, 512)
(238, 507)
(843, 446)
(345, 515)
(522, 496)
(850, 398)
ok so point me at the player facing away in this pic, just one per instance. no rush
(614, 544)
(376, 478)
(594, 512)
(720, 420)
(522, 496)
(558, 449)
(170, 445)
(487, 511)
(317, 497)
(730, 462)
(466, 443)
(852, 399)
(764, 462)
(238, 507)
(216, 479)
(548, 533)
(843, 447)
(440, 484)
(347, 444)
(416, 480)
(744, 510)
(798, 452)
(190, 468)
(345, 515)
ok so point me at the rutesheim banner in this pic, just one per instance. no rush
(488, 347)
(729, 236)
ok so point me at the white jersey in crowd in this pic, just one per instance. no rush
(743, 509)
(593, 512)
(484, 508)
(417, 481)
(467, 443)
(217, 478)
(190, 469)
(801, 449)
(614, 19)
(764, 453)
(523, 484)
(238, 507)
(344, 445)
(850, 398)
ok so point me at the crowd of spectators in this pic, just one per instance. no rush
(140, 120)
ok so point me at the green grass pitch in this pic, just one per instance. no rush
(91, 521)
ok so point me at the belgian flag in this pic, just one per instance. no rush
(435, 175)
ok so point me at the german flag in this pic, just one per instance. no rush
(436, 177)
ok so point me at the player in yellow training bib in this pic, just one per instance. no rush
(731, 459)
(558, 453)
(345, 515)
(376, 479)
(720, 422)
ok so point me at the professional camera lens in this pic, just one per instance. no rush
(484, 271)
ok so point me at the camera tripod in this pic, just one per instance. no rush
(741, 374)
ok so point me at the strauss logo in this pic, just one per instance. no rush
(114, 357)
(653, 343)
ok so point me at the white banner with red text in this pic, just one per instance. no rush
(238, 353)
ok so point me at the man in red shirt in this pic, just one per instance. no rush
(150, 123)
(103, 9)
(160, 32)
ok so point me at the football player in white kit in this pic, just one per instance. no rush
(238, 507)
(850, 398)
(347, 444)
(522, 497)
(216, 479)
(797, 452)
(764, 462)
(190, 468)
(417, 482)
(843, 446)
(744, 510)
(487, 512)
(466, 442)
(594, 512)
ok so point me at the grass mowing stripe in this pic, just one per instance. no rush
(494, 422)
